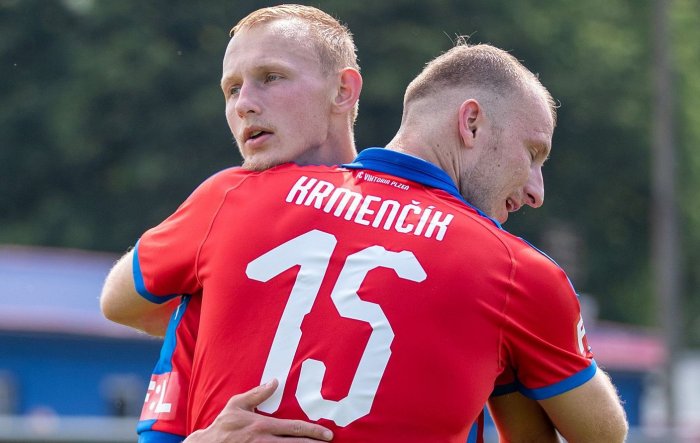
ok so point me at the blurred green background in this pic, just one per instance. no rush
(111, 114)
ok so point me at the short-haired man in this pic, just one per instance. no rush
(294, 71)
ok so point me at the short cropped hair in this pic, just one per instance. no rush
(332, 40)
(480, 66)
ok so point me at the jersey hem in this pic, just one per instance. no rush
(565, 385)
(504, 389)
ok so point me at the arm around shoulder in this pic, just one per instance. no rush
(121, 303)
(589, 413)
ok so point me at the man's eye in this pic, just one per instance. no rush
(272, 77)
(234, 90)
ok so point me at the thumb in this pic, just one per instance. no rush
(249, 400)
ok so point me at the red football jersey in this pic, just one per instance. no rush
(384, 305)
(164, 414)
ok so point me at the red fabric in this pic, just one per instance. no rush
(487, 302)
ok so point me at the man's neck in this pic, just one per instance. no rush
(333, 151)
(441, 156)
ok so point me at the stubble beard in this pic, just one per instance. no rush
(257, 164)
(477, 185)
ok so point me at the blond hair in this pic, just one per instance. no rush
(332, 40)
(479, 66)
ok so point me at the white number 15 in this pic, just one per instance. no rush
(312, 252)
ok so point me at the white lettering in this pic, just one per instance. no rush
(346, 196)
(301, 189)
(392, 214)
(442, 225)
(322, 190)
(371, 210)
(423, 220)
(400, 222)
(581, 333)
(364, 210)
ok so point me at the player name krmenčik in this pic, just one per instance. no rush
(369, 210)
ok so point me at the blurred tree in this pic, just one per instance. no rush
(112, 114)
(686, 38)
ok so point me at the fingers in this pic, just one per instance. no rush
(251, 399)
(240, 410)
(297, 428)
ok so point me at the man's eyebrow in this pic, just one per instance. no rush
(228, 78)
(270, 64)
(260, 66)
(225, 80)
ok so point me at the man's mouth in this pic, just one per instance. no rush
(255, 133)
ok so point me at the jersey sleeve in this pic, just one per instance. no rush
(506, 383)
(165, 257)
(547, 352)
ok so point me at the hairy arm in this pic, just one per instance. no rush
(121, 303)
(521, 420)
(591, 412)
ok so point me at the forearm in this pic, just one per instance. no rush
(121, 303)
(519, 419)
(590, 413)
(153, 321)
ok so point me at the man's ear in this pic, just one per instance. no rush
(348, 92)
(470, 118)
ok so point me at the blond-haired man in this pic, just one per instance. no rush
(291, 84)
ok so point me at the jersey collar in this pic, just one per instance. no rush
(411, 168)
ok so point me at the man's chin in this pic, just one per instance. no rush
(260, 163)
(501, 218)
(252, 166)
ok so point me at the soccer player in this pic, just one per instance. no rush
(348, 295)
(307, 79)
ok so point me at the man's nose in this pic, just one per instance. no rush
(247, 101)
(534, 188)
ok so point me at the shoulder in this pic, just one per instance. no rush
(540, 285)
(232, 178)
(532, 271)
(535, 265)
(225, 176)
(222, 181)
